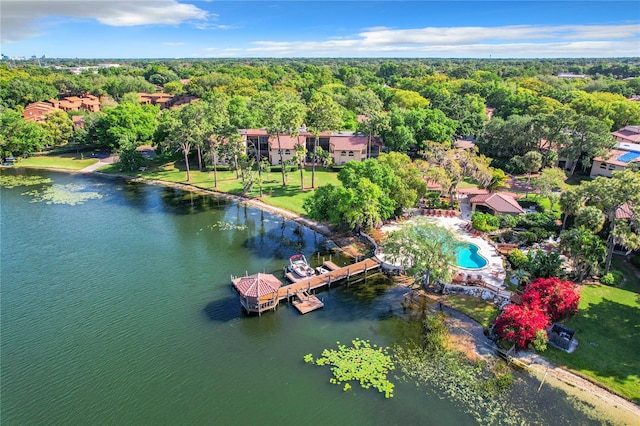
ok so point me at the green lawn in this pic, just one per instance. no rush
(289, 197)
(69, 161)
(480, 310)
(608, 331)
(632, 282)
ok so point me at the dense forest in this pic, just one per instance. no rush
(410, 104)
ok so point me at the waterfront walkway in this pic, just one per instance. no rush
(318, 281)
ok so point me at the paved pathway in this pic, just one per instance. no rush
(102, 161)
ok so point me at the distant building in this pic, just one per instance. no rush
(625, 153)
(165, 100)
(343, 146)
(38, 111)
(570, 75)
(349, 147)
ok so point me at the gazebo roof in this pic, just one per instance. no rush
(257, 285)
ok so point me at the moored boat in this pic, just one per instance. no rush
(298, 265)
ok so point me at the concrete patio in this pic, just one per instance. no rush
(493, 274)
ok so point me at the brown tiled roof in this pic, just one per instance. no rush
(348, 143)
(471, 191)
(254, 132)
(499, 202)
(37, 111)
(630, 133)
(286, 141)
(257, 285)
(624, 212)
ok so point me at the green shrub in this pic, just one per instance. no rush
(508, 221)
(541, 233)
(484, 222)
(279, 168)
(507, 236)
(539, 344)
(538, 220)
(518, 259)
(220, 168)
(527, 237)
(614, 277)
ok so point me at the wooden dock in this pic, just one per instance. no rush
(305, 302)
(335, 275)
(300, 289)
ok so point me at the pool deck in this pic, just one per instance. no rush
(492, 274)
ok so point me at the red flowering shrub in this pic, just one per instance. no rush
(520, 323)
(558, 298)
(545, 300)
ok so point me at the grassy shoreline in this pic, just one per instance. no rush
(287, 201)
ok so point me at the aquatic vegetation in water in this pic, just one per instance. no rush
(225, 226)
(69, 194)
(8, 181)
(363, 362)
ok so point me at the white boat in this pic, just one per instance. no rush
(322, 270)
(298, 265)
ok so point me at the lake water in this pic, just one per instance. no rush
(119, 310)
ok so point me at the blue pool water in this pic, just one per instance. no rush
(629, 156)
(468, 257)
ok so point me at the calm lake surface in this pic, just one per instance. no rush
(119, 310)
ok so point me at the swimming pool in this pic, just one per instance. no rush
(468, 257)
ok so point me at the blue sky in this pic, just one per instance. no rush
(446, 29)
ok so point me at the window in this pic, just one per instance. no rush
(287, 152)
(343, 153)
(350, 153)
(603, 165)
(612, 167)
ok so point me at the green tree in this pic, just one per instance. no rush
(586, 251)
(136, 123)
(175, 88)
(531, 161)
(498, 180)
(299, 160)
(591, 218)
(186, 127)
(609, 195)
(570, 203)
(282, 114)
(411, 186)
(58, 129)
(426, 250)
(323, 115)
(18, 136)
(549, 180)
(368, 104)
(589, 138)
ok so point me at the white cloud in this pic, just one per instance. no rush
(207, 26)
(20, 18)
(507, 41)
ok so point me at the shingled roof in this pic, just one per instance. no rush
(257, 285)
(500, 203)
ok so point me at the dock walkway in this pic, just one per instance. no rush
(339, 274)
